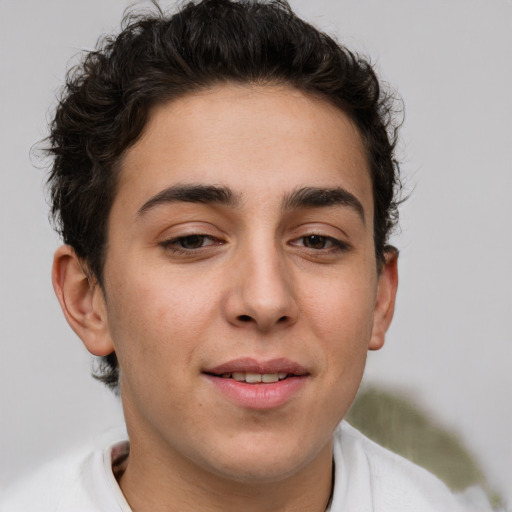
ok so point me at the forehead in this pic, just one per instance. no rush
(256, 139)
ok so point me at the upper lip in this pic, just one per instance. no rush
(250, 365)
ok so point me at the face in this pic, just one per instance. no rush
(241, 287)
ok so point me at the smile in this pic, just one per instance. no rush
(258, 385)
(255, 378)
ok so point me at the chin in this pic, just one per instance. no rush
(264, 461)
(260, 471)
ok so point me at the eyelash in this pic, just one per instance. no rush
(175, 245)
(337, 245)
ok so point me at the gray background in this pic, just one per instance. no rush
(450, 346)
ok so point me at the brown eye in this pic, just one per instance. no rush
(192, 241)
(315, 241)
(321, 244)
(190, 244)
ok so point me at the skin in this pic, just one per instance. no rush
(252, 283)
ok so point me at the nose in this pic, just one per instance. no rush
(262, 293)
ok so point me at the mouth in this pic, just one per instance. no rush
(254, 378)
(252, 371)
(254, 384)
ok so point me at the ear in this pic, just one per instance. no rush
(385, 300)
(82, 301)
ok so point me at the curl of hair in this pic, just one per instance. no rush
(156, 58)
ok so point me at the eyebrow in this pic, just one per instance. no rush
(190, 194)
(312, 197)
(304, 197)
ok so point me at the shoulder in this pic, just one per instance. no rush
(55, 486)
(372, 478)
(78, 481)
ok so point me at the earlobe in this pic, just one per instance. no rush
(82, 301)
(385, 301)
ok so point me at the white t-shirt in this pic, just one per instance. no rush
(368, 478)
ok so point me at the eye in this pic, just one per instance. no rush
(320, 246)
(190, 242)
(194, 241)
(319, 242)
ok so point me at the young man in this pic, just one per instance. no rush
(224, 182)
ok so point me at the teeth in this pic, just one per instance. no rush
(255, 378)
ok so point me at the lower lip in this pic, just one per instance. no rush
(259, 396)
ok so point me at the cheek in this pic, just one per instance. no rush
(342, 307)
(155, 321)
(341, 318)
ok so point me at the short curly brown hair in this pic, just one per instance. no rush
(105, 103)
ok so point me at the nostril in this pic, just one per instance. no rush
(282, 319)
(244, 318)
